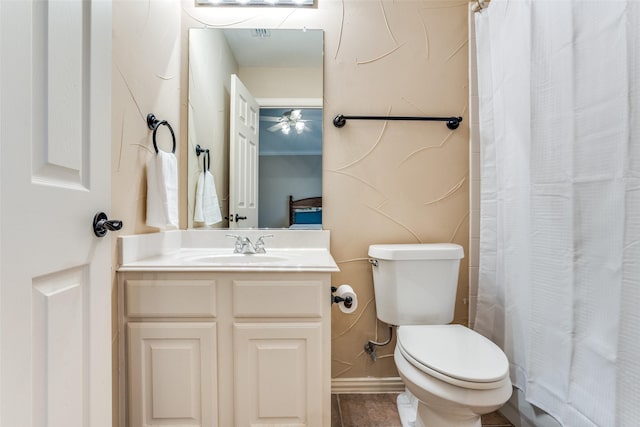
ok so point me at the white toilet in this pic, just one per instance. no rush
(455, 374)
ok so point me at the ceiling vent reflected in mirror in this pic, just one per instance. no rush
(260, 32)
(287, 3)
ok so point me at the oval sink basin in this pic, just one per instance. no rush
(240, 259)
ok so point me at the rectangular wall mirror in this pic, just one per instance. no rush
(255, 103)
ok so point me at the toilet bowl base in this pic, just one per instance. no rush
(407, 408)
(427, 417)
(415, 414)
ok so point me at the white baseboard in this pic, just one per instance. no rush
(367, 385)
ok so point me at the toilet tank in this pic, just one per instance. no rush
(415, 284)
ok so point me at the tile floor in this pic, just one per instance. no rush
(379, 410)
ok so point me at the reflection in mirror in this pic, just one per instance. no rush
(290, 165)
(282, 71)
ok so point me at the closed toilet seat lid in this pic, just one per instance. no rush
(455, 352)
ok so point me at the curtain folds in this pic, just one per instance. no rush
(559, 280)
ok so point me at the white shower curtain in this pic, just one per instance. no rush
(559, 282)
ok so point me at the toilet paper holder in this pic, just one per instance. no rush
(335, 299)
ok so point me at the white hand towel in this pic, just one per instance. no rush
(207, 207)
(162, 191)
(198, 212)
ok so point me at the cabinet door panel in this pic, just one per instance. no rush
(278, 374)
(172, 374)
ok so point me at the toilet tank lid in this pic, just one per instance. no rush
(416, 251)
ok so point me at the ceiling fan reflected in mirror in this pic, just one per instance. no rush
(288, 121)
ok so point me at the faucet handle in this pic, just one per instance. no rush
(260, 243)
(238, 243)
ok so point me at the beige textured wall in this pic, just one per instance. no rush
(395, 182)
(282, 82)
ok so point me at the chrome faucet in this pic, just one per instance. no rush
(243, 245)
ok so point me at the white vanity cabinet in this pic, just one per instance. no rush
(223, 348)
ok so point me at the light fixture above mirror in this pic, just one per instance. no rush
(287, 3)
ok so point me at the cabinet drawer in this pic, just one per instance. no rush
(170, 298)
(262, 298)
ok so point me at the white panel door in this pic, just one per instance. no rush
(243, 161)
(55, 274)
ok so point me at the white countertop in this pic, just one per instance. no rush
(211, 250)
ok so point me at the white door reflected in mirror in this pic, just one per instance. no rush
(243, 160)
